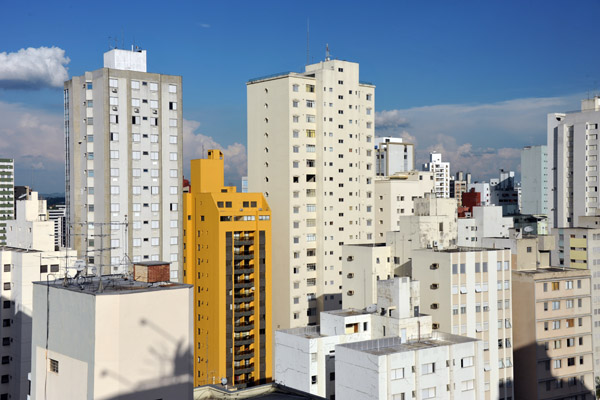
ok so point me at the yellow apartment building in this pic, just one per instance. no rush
(227, 257)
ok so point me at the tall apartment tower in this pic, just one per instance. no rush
(7, 195)
(392, 155)
(123, 138)
(534, 180)
(441, 174)
(310, 151)
(573, 163)
(228, 259)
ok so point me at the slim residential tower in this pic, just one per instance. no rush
(123, 131)
(227, 246)
(311, 153)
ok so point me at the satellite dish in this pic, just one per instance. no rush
(79, 265)
(528, 229)
(223, 381)
(94, 270)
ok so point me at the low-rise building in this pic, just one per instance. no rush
(485, 221)
(28, 257)
(440, 366)
(113, 337)
(312, 348)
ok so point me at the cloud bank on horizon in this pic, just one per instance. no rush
(33, 68)
(476, 138)
(479, 139)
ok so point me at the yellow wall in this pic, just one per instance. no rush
(205, 267)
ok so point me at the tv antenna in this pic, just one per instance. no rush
(327, 55)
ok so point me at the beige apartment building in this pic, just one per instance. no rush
(311, 153)
(467, 291)
(553, 334)
(395, 196)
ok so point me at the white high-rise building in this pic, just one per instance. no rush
(441, 174)
(123, 129)
(7, 195)
(311, 152)
(573, 164)
(392, 155)
(58, 216)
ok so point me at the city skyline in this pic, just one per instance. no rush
(473, 81)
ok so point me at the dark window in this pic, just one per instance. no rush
(43, 269)
(54, 268)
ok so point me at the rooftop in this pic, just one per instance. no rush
(109, 285)
(392, 345)
(309, 332)
(547, 270)
(348, 312)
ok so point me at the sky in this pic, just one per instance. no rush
(474, 80)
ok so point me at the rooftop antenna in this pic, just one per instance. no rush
(327, 55)
(307, 41)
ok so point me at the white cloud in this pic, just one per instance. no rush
(204, 25)
(33, 68)
(480, 138)
(195, 145)
(34, 139)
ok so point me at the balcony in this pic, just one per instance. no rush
(243, 340)
(243, 312)
(243, 298)
(243, 241)
(243, 284)
(243, 369)
(249, 255)
(243, 327)
(243, 269)
(243, 355)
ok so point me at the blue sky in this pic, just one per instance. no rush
(473, 79)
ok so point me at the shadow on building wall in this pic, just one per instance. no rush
(540, 376)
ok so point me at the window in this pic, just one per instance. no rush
(397, 373)
(53, 366)
(295, 87)
(428, 368)
(555, 285)
(428, 393)
(135, 84)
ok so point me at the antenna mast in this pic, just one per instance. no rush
(307, 40)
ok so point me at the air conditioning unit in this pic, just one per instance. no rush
(351, 275)
(435, 325)
(434, 286)
(154, 111)
(114, 90)
(435, 306)
(137, 110)
(350, 292)
(115, 108)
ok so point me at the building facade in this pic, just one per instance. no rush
(395, 196)
(441, 174)
(227, 246)
(573, 164)
(468, 293)
(28, 256)
(436, 366)
(123, 136)
(58, 215)
(553, 345)
(7, 195)
(311, 153)
(119, 339)
(534, 180)
(486, 221)
(393, 155)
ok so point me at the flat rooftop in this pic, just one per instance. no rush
(348, 312)
(18, 249)
(547, 270)
(308, 332)
(109, 285)
(392, 345)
